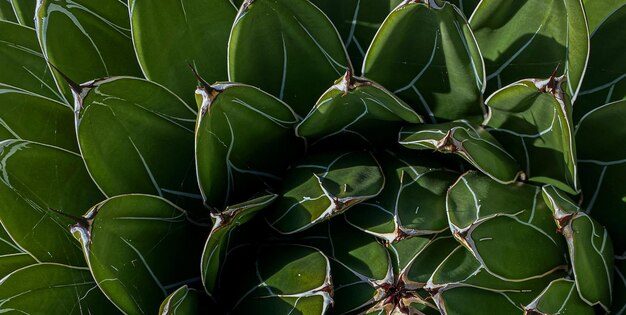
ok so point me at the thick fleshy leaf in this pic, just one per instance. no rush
(357, 22)
(6, 11)
(598, 11)
(217, 245)
(286, 279)
(466, 6)
(12, 262)
(145, 233)
(412, 202)
(183, 301)
(532, 119)
(472, 143)
(244, 141)
(602, 163)
(25, 11)
(359, 107)
(39, 181)
(174, 34)
(590, 248)
(560, 297)
(521, 39)
(302, 53)
(25, 115)
(490, 218)
(42, 288)
(7, 245)
(22, 63)
(605, 79)
(429, 38)
(323, 186)
(137, 137)
(86, 39)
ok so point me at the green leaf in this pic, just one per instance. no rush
(12, 262)
(440, 38)
(418, 257)
(25, 115)
(22, 63)
(560, 298)
(491, 219)
(606, 73)
(142, 231)
(532, 119)
(25, 11)
(7, 245)
(521, 39)
(219, 241)
(357, 22)
(239, 132)
(42, 288)
(171, 36)
(359, 107)
(598, 11)
(590, 249)
(86, 39)
(285, 279)
(40, 187)
(301, 48)
(6, 11)
(412, 202)
(602, 163)
(183, 301)
(323, 186)
(466, 6)
(472, 143)
(137, 137)
(619, 289)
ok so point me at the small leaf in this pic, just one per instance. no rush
(142, 231)
(472, 143)
(521, 39)
(560, 297)
(40, 188)
(183, 301)
(86, 39)
(532, 119)
(244, 142)
(41, 288)
(194, 33)
(356, 106)
(22, 63)
(301, 48)
(322, 186)
(413, 45)
(137, 137)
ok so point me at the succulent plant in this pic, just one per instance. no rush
(312, 156)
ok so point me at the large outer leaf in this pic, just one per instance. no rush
(244, 140)
(137, 137)
(560, 298)
(12, 262)
(144, 232)
(412, 202)
(526, 39)
(357, 22)
(357, 107)
(86, 39)
(44, 288)
(301, 54)
(590, 248)
(217, 245)
(35, 179)
(471, 142)
(22, 63)
(532, 119)
(490, 219)
(411, 66)
(171, 35)
(24, 115)
(25, 11)
(605, 80)
(602, 163)
(323, 186)
(598, 11)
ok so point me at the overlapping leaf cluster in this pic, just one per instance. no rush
(353, 156)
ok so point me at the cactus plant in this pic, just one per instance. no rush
(312, 157)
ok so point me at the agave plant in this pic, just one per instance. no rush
(312, 156)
